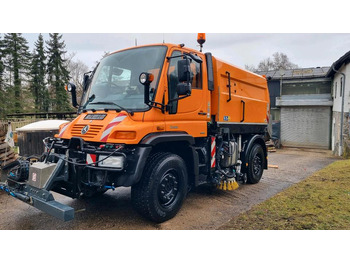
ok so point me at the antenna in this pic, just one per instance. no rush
(135, 41)
(163, 39)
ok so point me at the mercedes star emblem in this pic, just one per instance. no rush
(84, 130)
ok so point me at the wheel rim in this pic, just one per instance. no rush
(257, 164)
(168, 188)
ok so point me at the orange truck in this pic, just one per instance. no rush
(161, 119)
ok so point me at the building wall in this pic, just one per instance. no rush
(336, 118)
(336, 133)
(336, 89)
(274, 90)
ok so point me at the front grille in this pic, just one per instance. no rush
(91, 133)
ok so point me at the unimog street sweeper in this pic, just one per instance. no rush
(161, 119)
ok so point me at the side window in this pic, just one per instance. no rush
(173, 81)
(196, 75)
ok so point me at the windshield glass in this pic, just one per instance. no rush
(115, 84)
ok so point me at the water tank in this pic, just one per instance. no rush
(30, 137)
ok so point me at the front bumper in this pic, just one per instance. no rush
(73, 176)
(38, 198)
(135, 157)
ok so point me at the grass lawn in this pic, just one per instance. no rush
(322, 201)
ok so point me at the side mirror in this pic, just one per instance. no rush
(73, 90)
(183, 70)
(183, 89)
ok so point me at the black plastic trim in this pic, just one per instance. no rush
(210, 71)
(244, 128)
(156, 138)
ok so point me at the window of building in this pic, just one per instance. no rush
(306, 88)
(341, 86)
(275, 114)
(335, 90)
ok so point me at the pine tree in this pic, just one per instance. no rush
(2, 88)
(38, 75)
(58, 75)
(16, 63)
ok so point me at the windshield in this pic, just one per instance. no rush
(115, 84)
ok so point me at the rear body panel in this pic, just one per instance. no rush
(249, 102)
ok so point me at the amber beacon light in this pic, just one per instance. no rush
(201, 40)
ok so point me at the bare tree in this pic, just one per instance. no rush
(266, 65)
(281, 61)
(276, 62)
(105, 53)
(251, 68)
(77, 68)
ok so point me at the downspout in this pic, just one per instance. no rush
(342, 113)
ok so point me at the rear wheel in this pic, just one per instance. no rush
(256, 164)
(162, 189)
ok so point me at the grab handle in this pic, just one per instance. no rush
(243, 110)
(229, 86)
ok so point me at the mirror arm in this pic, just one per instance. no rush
(74, 99)
(157, 105)
(146, 94)
(178, 98)
(197, 59)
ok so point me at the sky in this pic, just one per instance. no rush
(304, 49)
(312, 33)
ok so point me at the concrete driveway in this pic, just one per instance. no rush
(202, 209)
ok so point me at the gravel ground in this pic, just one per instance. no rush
(202, 209)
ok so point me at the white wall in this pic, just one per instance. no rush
(337, 104)
(337, 100)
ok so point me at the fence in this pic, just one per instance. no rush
(19, 120)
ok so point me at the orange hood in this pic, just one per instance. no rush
(111, 127)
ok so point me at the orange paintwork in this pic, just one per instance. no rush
(193, 112)
(245, 86)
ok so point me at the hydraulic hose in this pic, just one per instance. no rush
(90, 164)
(75, 163)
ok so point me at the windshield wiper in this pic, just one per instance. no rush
(112, 103)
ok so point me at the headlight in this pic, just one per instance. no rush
(146, 78)
(112, 161)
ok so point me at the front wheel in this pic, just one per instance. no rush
(162, 189)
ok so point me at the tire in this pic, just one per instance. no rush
(162, 189)
(256, 162)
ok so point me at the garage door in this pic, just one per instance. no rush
(306, 126)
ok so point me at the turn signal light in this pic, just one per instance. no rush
(125, 135)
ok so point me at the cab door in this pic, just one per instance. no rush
(191, 113)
